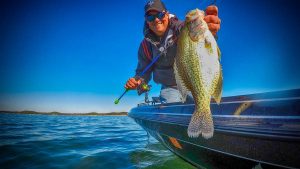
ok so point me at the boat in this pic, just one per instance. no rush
(253, 130)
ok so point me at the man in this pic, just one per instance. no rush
(160, 31)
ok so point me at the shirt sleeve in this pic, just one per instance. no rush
(143, 62)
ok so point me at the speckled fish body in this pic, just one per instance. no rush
(197, 69)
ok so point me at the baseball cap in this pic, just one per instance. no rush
(156, 5)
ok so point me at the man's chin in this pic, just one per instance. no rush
(160, 30)
(159, 33)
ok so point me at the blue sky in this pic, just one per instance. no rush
(75, 56)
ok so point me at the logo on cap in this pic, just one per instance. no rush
(150, 3)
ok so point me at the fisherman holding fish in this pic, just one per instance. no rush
(161, 30)
(184, 58)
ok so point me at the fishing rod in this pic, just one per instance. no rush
(144, 86)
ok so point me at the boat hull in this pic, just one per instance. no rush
(249, 130)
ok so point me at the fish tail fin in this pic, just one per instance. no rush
(207, 125)
(218, 88)
(194, 129)
(201, 123)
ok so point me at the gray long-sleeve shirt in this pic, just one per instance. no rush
(162, 69)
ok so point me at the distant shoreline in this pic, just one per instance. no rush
(67, 114)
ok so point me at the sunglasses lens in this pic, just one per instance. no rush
(150, 18)
(159, 15)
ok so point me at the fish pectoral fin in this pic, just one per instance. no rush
(217, 94)
(180, 84)
(208, 45)
(211, 45)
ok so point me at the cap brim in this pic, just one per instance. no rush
(154, 9)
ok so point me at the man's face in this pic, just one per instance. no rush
(158, 26)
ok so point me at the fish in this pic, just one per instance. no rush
(198, 70)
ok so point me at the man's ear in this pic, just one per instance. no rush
(167, 13)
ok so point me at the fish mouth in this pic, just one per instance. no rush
(196, 29)
(195, 24)
(194, 15)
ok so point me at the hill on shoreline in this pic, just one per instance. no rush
(68, 114)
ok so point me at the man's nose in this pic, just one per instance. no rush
(156, 19)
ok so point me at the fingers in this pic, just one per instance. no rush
(132, 83)
(213, 23)
(139, 82)
(212, 19)
(211, 10)
(214, 28)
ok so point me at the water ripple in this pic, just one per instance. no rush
(40, 141)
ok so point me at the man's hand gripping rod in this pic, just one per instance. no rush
(140, 75)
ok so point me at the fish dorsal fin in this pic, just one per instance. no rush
(180, 84)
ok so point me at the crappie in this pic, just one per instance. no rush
(197, 69)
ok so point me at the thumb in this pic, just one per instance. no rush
(211, 10)
(139, 82)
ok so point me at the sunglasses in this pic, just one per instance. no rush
(151, 18)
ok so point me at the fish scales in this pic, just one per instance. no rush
(197, 69)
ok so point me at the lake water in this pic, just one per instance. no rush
(102, 142)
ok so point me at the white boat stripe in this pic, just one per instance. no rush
(249, 101)
(224, 116)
